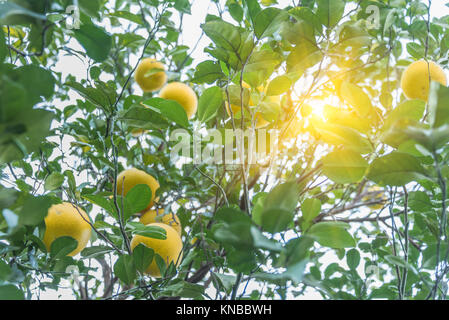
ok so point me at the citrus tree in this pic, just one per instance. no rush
(103, 190)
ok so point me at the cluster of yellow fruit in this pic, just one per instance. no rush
(415, 81)
(150, 76)
(67, 219)
(169, 249)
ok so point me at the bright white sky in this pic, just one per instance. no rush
(192, 31)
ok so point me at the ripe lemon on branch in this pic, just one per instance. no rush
(66, 219)
(415, 82)
(150, 75)
(171, 219)
(129, 178)
(182, 94)
(169, 249)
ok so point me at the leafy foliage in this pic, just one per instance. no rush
(349, 203)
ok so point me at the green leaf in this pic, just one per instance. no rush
(329, 12)
(182, 6)
(54, 181)
(236, 235)
(160, 262)
(356, 97)
(252, 9)
(353, 258)
(9, 11)
(3, 47)
(90, 7)
(62, 246)
(339, 135)
(390, 20)
(125, 269)
(34, 210)
(7, 197)
(39, 82)
(294, 272)
(95, 251)
(136, 18)
(419, 201)
(236, 11)
(5, 271)
(439, 104)
(331, 234)
(95, 40)
(430, 139)
(170, 109)
(279, 85)
(416, 50)
(233, 229)
(139, 197)
(307, 15)
(279, 206)
(144, 117)
(231, 215)
(207, 72)
(184, 289)
(260, 66)
(149, 231)
(396, 169)
(299, 32)
(298, 249)
(209, 103)
(344, 166)
(38, 242)
(94, 95)
(223, 34)
(398, 261)
(143, 256)
(268, 21)
(262, 242)
(258, 207)
(226, 280)
(10, 292)
(34, 127)
(283, 196)
(100, 201)
(310, 209)
(409, 109)
(126, 208)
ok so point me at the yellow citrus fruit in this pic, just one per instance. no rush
(66, 219)
(415, 80)
(170, 219)
(169, 249)
(129, 178)
(182, 94)
(148, 81)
